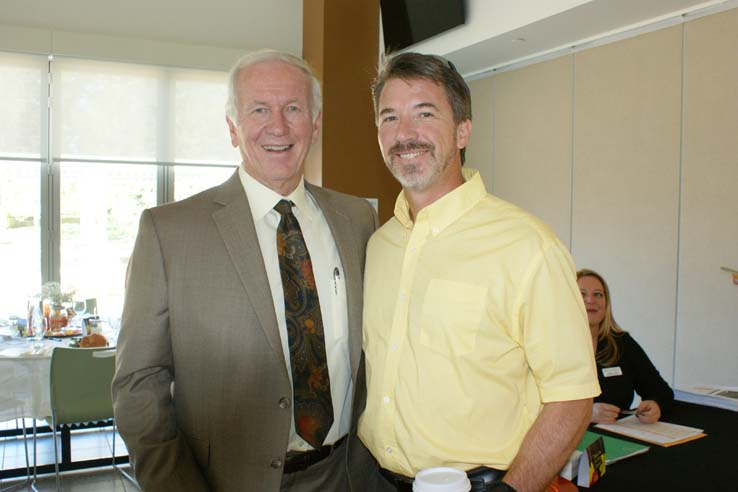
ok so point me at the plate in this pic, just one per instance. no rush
(64, 333)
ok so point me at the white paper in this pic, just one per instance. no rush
(714, 396)
(659, 432)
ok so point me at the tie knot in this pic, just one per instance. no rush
(284, 207)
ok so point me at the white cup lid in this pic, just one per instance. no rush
(441, 479)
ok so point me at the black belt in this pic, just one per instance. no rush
(298, 461)
(479, 477)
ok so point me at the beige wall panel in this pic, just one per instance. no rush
(479, 150)
(626, 180)
(707, 332)
(532, 141)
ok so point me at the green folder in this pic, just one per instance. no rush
(615, 449)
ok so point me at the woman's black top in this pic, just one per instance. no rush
(636, 372)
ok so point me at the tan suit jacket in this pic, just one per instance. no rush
(198, 313)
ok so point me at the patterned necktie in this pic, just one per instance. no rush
(311, 385)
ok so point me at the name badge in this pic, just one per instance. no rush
(609, 372)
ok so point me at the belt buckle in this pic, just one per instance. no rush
(299, 462)
(306, 459)
(399, 482)
(482, 477)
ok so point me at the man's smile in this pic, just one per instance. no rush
(277, 148)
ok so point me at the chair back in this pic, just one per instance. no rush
(80, 384)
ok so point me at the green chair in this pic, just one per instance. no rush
(80, 392)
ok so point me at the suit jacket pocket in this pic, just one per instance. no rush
(451, 316)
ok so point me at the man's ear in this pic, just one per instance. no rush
(316, 128)
(463, 134)
(233, 130)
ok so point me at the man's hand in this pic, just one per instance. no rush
(648, 412)
(604, 413)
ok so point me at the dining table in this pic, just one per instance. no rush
(24, 378)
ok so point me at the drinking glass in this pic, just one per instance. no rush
(36, 332)
(79, 307)
(13, 327)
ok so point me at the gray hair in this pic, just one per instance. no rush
(261, 56)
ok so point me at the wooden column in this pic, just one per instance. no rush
(341, 42)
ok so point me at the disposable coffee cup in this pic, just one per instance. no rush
(441, 479)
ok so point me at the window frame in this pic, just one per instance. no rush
(50, 165)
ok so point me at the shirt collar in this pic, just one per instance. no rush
(263, 199)
(447, 209)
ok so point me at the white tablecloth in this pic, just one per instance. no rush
(24, 380)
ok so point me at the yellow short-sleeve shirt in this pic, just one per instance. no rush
(472, 320)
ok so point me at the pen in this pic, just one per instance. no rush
(631, 412)
(336, 276)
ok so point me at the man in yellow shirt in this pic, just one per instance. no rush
(478, 353)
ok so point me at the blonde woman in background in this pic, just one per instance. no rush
(622, 365)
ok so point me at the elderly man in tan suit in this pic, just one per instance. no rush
(241, 331)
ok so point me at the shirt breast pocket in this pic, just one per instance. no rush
(451, 316)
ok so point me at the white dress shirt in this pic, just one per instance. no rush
(329, 277)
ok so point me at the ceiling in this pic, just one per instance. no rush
(586, 23)
(245, 24)
(250, 24)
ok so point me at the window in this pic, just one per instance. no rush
(200, 134)
(22, 131)
(122, 138)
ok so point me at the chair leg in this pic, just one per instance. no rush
(22, 485)
(29, 482)
(115, 465)
(25, 446)
(56, 455)
(35, 458)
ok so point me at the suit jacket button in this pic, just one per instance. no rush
(276, 463)
(284, 402)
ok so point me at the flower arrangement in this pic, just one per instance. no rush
(55, 294)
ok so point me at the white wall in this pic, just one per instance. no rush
(707, 319)
(653, 171)
(528, 135)
(487, 19)
(627, 98)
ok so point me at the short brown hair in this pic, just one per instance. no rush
(408, 66)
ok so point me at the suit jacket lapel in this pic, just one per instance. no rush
(236, 227)
(340, 225)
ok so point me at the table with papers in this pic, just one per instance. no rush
(661, 433)
(705, 464)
